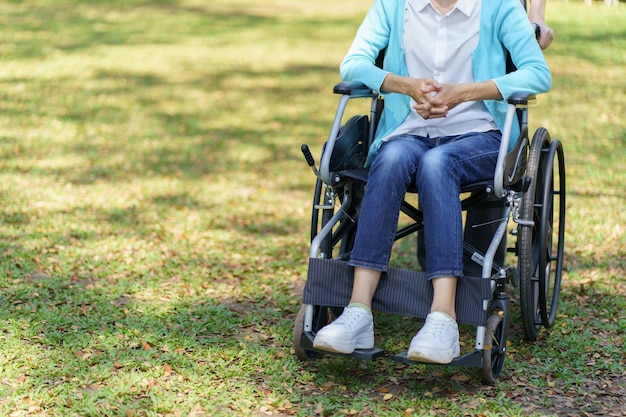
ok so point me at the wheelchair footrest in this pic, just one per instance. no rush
(306, 342)
(470, 360)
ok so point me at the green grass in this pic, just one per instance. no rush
(154, 221)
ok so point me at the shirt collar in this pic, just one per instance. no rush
(420, 4)
(465, 6)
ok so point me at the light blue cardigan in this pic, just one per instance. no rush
(503, 26)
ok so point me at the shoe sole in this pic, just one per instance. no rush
(345, 347)
(438, 357)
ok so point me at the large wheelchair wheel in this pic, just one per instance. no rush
(323, 210)
(541, 235)
(339, 242)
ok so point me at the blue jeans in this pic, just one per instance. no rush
(437, 168)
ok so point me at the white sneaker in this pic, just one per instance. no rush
(437, 341)
(354, 329)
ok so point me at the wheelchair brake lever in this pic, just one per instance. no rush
(309, 158)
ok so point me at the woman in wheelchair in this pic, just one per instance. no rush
(445, 85)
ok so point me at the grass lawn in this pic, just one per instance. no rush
(155, 214)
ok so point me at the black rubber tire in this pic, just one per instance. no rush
(528, 244)
(552, 233)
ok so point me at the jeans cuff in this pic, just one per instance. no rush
(440, 274)
(367, 265)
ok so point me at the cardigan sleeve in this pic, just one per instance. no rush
(532, 75)
(371, 37)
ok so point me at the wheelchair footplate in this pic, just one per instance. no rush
(306, 342)
(472, 359)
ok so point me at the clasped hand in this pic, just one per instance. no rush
(434, 100)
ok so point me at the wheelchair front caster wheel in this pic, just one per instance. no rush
(322, 315)
(494, 349)
(298, 330)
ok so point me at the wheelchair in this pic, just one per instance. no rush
(529, 186)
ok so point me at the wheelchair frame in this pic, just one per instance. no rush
(529, 183)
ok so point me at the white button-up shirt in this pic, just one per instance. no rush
(440, 47)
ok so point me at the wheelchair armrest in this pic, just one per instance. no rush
(522, 99)
(353, 88)
(348, 90)
(515, 101)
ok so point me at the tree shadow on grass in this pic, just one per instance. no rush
(176, 143)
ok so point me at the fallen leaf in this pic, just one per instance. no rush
(460, 378)
(197, 411)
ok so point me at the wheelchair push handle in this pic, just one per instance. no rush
(537, 31)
